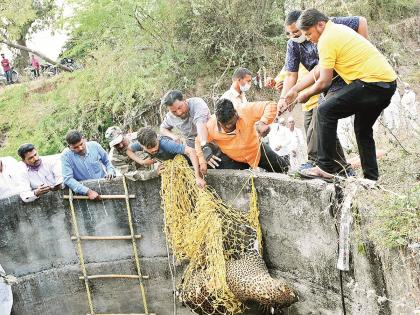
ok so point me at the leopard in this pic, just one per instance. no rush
(196, 296)
(248, 279)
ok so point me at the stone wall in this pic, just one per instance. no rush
(300, 246)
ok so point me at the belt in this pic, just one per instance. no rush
(384, 85)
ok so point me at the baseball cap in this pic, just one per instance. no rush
(114, 135)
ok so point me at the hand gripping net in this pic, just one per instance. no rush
(206, 232)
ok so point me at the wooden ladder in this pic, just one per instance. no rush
(133, 237)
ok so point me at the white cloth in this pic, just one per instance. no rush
(392, 112)
(49, 174)
(298, 145)
(280, 136)
(6, 296)
(236, 98)
(11, 178)
(409, 105)
(345, 132)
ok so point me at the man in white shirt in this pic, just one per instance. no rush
(297, 147)
(6, 296)
(280, 139)
(40, 174)
(10, 177)
(241, 83)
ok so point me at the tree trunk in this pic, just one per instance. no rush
(23, 58)
(28, 50)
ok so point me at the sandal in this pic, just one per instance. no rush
(309, 173)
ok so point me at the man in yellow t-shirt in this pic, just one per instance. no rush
(371, 84)
(301, 54)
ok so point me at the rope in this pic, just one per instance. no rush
(134, 245)
(251, 176)
(242, 188)
(254, 214)
(171, 271)
(203, 230)
(252, 173)
(265, 153)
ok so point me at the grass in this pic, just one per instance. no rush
(397, 222)
(395, 217)
(31, 112)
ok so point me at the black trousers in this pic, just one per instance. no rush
(309, 122)
(311, 127)
(364, 100)
(269, 161)
(227, 163)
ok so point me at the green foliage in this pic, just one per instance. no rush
(22, 18)
(229, 29)
(391, 10)
(373, 10)
(13, 22)
(397, 222)
(134, 51)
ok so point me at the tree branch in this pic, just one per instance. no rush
(42, 56)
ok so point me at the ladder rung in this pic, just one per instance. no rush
(113, 276)
(106, 238)
(101, 197)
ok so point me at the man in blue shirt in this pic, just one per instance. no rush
(84, 160)
(161, 148)
(302, 51)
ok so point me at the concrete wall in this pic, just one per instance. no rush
(300, 245)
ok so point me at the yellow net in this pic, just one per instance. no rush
(206, 232)
(254, 214)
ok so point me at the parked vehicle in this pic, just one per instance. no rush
(70, 63)
(15, 77)
(30, 72)
(49, 70)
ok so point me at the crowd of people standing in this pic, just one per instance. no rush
(331, 68)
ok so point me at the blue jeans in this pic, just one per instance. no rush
(8, 75)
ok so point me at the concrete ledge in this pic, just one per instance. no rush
(300, 244)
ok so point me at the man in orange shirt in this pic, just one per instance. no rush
(237, 133)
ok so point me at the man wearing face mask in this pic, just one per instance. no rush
(241, 83)
(301, 51)
(371, 82)
(41, 174)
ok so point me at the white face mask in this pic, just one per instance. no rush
(299, 39)
(245, 87)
